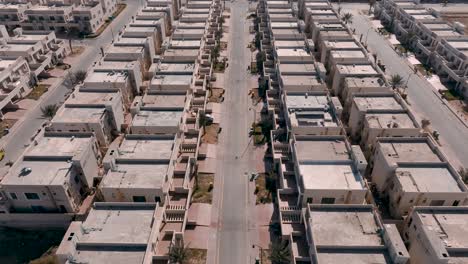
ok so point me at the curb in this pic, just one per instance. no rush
(4, 140)
(434, 90)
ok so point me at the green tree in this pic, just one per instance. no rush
(80, 76)
(279, 252)
(258, 39)
(396, 81)
(262, 87)
(178, 252)
(49, 111)
(347, 18)
(260, 58)
(204, 121)
(215, 52)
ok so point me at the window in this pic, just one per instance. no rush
(310, 200)
(63, 209)
(139, 199)
(157, 199)
(31, 196)
(410, 221)
(455, 203)
(437, 202)
(328, 200)
(13, 196)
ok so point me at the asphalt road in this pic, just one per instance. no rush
(235, 155)
(453, 133)
(15, 143)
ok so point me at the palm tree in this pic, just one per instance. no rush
(396, 81)
(279, 252)
(49, 111)
(347, 18)
(204, 121)
(80, 76)
(178, 252)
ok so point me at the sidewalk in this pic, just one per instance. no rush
(435, 90)
(21, 121)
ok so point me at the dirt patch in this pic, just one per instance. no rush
(223, 45)
(254, 95)
(265, 188)
(37, 91)
(265, 257)
(78, 50)
(216, 95)
(197, 256)
(203, 190)
(220, 66)
(211, 134)
(6, 123)
(461, 107)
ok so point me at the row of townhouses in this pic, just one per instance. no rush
(84, 16)
(116, 164)
(436, 43)
(359, 180)
(24, 57)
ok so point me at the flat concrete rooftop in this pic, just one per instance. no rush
(164, 100)
(341, 44)
(427, 179)
(448, 225)
(187, 44)
(404, 151)
(79, 115)
(302, 80)
(59, 146)
(111, 77)
(390, 120)
(145, 148)
(297, 69)
(176, 68)
(299, 44)
(381, 103)
(357, 70)
(344, 227)
(100, 227)
(329, 177)
(49, 172)
(302, 101)
(157, 118)
(171, 80)
(136, 176)
(92, 98)
(343, 54)
(319, 149)
(363, 82)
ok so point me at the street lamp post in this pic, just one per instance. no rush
(407, 80)
(112, 32)
(261, 249)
